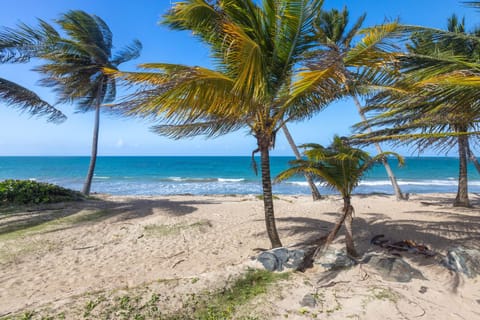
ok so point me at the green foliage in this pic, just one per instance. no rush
(339, 166)
(21, 192)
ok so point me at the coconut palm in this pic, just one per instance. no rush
(431, 105)
(257, 51)
(340, 167)
(75, 64)
(336, 48)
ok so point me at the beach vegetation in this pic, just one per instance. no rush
(28, 192)
(258, 51)
(75, 63)
(173, 229)
(339, 167)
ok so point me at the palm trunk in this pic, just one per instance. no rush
(348, 209)
(396, 188)
(315, 193)
(93, 158)
(462, 193)
(331, 236)
(264, 145)
(472, 157)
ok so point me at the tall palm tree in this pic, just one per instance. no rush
(341, 168)
(75, 64)
(336, 48)
(257, 51)
(431, 104)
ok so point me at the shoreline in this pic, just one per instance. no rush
(73, 252)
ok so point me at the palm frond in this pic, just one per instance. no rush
(27, 101)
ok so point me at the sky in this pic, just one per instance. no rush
(23, 135)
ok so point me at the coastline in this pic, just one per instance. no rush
(72, 252)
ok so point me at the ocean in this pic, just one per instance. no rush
(138, 175)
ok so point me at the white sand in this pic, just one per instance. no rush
(183, 244)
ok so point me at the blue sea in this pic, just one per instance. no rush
(137, 175)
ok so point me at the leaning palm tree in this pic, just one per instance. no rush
(340, 167)
(336, 49)
(75, 64)
(257, 51)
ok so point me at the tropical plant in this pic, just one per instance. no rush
(257, 51)
(75, 63)
(339, 167)
(352, 61)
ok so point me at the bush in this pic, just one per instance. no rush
(32, 192)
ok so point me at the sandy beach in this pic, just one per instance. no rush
(56, 258)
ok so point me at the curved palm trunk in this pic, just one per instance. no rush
(461, 199)
(267, 193)
(472, 157)
(346, 218)
(315, 193)
(396, 188)
(93, 158)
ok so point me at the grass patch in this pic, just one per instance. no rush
(224, 304)
(172, 229)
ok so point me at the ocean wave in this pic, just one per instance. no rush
(101, 177)
(230, 180)
(373, 183)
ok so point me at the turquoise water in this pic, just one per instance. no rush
(218, 175)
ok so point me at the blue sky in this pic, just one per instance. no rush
(22, 135)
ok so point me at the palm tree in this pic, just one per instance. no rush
(16, 95)
(337, 50)
(340, 167)
(431, 104)
(257, 50)
(75, 64)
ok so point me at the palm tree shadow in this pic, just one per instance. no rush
(55, 217)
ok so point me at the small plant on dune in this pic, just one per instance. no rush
(26, 192)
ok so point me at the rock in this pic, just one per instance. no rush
(333, 259)
(463, 260)
(277, 259)
(309, 301)
(393, 268)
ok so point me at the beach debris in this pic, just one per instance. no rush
(392, 268)
(308, 301)
(333, 259)
(278, 258)
(466, 261)
(403, 245)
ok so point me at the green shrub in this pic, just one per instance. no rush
(32, 192)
